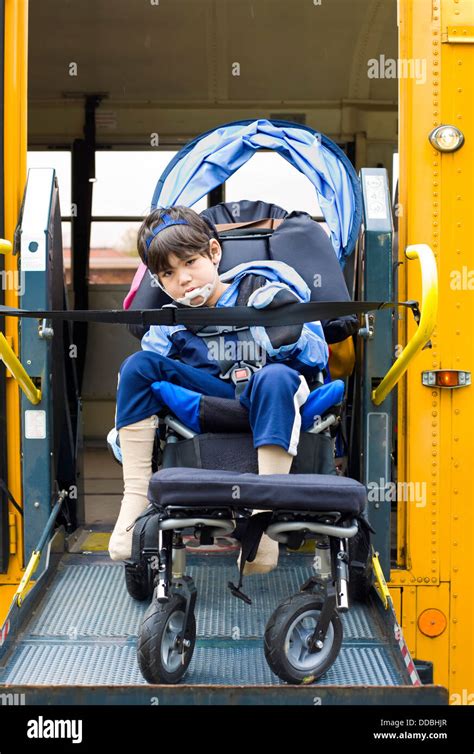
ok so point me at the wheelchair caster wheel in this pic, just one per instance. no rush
(160, 657)
(139, 581)
(287, 637)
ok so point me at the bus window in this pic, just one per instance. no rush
(61, 162)
(124, 186)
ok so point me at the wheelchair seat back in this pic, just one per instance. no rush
(267, 232)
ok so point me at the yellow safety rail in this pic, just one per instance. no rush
(5, 246)
(380, 579)
(25, 582)
(35, 558)
(11, 360)
(429, 311)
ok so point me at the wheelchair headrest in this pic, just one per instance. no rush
(242, 212)
(262, 231)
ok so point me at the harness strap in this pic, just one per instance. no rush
(10, 497)
(251, 537)
(234, 315)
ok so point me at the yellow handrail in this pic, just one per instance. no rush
(5, 246)
(10, 359)
(429, 311)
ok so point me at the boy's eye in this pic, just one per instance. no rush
(169, 272)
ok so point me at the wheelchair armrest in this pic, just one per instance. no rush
(177, 426)
(323, 423)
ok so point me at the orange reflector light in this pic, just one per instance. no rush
(432, 622)
(447, 378)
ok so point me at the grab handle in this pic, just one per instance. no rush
(429, 311)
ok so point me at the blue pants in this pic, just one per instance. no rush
(273, 395)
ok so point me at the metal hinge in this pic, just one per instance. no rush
(13, 533)
(368, 331)
(463, 35)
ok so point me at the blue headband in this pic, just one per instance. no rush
(167, 222)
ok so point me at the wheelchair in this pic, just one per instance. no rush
(208, 483)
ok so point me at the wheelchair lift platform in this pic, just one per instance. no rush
(77, 644)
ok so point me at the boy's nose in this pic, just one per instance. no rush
(185, 278)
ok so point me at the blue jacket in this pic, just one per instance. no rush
(309, 353)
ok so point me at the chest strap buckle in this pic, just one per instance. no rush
(240, 375)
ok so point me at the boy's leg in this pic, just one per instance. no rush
(272, 459)
(136, 442)
(274, 396)
(136, 400)
(274, 400)
(136, 421)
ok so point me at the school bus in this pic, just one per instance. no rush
(425, 553)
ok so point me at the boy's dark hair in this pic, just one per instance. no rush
(182, 240)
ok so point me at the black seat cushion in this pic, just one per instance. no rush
(223, 415)
(297, 492)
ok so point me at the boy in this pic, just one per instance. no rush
(182, 252)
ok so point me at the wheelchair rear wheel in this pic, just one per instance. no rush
(361, 575)
(287, 636)
(159, 655)
(139, 581)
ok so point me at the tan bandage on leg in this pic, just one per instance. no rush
(136, 443)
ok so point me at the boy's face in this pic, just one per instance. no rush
(182, 275)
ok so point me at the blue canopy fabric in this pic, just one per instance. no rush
(209, 160)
